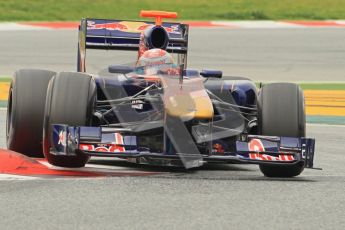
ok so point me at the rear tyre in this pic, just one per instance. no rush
(281, 113)
(70, 100)
(25, 111)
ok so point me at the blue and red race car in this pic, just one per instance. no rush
(155, 110)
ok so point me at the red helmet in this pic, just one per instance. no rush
(155, 57)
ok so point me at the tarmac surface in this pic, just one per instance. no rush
(213, 197)
(289, 54)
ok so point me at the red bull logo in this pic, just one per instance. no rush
(127, 26)
(172, 29)
(143, 27)
(108, 26)
(113, 148)
(255, 145)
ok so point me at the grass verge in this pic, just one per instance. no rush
(322, 86)
(329, 120)
(320, 103)
(5, 79)
(316, 85)
(63, 10)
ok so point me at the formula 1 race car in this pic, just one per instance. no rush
(155, 110)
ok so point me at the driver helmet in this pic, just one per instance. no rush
(154, 57)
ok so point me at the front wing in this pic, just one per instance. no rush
(117, 142)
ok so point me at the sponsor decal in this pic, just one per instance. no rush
(218, 148)
(111, 148)
(304, 155)
(127, 26)
(118, 139)
(265, 157)
(86, 147)
(255, 145)
(137, 104)
(143, 27)
(116, 146)
(108, 26)
(62, 138)
(101, 149)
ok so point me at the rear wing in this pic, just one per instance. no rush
(125, 35)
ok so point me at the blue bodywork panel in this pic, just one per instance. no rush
(98, 141)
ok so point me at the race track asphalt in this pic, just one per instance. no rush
(214, 197)
(309, 54)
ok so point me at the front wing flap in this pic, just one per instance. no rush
(117, 142)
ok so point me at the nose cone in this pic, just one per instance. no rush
(187, 101)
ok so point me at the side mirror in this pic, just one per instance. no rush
(123, 69)
(211, 73)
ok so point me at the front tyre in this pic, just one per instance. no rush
(70, 100)
(25, 111)
(281, 113)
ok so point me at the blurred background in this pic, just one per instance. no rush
(66, 10)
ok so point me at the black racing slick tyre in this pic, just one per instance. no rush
(70, 100)
(25, 111)
(281, 113)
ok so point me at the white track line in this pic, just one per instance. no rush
(12, 26)
(325, 125)
(94, 167)
(257, 24)
(9, 177)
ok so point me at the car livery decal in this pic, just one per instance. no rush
(127, 26)
(112, 148)
(137, 104)
(265, 157)
(117, 145)
(255, 145)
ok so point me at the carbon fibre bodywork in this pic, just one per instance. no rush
(231, 136)
(168, 114)
(97, 141)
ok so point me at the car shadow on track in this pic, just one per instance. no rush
(156, 168)
(238, 172)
